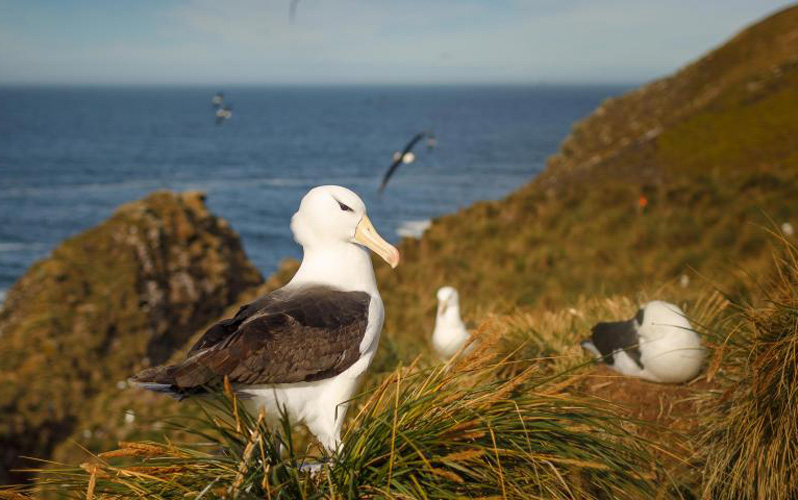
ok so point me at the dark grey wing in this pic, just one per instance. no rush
(620, 335)
(398, 161)
(226, 327)
(302, 336)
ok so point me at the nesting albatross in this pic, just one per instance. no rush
(658, 344)
(302, 347)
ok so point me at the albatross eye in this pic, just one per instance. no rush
(345, 208)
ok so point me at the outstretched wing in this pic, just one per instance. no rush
(304, 335)
(398, 160)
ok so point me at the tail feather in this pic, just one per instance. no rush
(156, 375)
(167, 389)
(159, 379)
(180, 381)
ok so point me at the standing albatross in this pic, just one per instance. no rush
(303, 347)
(450, 334)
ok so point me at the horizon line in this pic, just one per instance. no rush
(565, 83)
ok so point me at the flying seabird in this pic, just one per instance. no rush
(302, 348)
(407, 155)
(450, 334)
(218, 99)
(658, 344)
(224, 113)
(292, 11)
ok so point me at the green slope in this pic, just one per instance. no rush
(714, 151)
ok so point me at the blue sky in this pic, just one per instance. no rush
(360, 41)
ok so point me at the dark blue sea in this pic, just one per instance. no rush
(70, 156)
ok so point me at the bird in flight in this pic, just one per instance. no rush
(218, 99)
(292, 11)
(223, 114)
(407, 156)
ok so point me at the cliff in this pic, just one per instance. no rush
(106, 303)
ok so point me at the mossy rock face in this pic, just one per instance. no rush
(107, 302)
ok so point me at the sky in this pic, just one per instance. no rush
(254, 42)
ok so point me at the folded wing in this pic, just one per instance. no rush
(301, 335)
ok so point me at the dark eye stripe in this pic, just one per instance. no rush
(345, 208)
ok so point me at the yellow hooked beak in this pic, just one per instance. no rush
(366, 235)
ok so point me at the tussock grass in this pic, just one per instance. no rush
(552, 337)
(447, 431)
(751, 439)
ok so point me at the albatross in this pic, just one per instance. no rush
(302, 348)
(450, 334)
(658, 344)
(218, 99)
(406, 156)
(224, 113)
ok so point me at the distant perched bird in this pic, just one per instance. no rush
(406, 155)
(223, 114)
(218, 99)
(302, 348)
(658, 344)
(450, 334)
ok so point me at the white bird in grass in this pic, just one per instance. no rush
(302, 348)
(658, 344)
(450, 334)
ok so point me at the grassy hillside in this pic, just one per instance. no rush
(666, 192)
(487, 425)
(579, 231)
(712, 153)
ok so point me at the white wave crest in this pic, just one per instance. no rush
(413, 228)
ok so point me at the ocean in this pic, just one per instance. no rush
(70, 155)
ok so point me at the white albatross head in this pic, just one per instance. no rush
(333, 214)
(448, 300)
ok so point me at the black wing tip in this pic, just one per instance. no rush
(172, 390)
(169, 390)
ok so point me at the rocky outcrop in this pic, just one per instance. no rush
(109, 301)
(123, 413)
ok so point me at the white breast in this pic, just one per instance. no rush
(450, 335)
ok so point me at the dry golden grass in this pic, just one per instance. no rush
(750, 442)
(447, 431)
